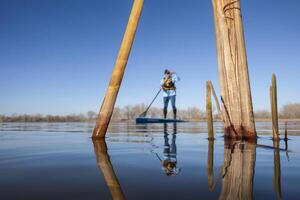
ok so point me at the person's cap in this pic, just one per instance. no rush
(167, 71)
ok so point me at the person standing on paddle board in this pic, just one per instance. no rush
(169, 91)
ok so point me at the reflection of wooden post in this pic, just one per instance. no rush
(106, 167)
(285, 132)
(238, 173)
(210, 165)
(209, 116)
(277, 170)
(274, 111)
(233, 69)
(286, 139)
(108, 103)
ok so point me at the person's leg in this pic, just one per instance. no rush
(173, 151)
(166, 102)
(173, 101)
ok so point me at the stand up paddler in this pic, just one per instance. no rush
(168, 85)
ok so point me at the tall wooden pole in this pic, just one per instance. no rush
(274, 110)
(233, 70)
(216, 100)
(209, 117)
(108, 103)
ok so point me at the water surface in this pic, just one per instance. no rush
(174, 161)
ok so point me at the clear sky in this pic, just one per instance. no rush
(56, 56)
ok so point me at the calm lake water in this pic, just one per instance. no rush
(173, 161)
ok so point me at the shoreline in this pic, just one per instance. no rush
(113, 121)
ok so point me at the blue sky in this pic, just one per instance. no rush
(56, 56)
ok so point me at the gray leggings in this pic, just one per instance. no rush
(166, 102)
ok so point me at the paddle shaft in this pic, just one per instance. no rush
(152, 101)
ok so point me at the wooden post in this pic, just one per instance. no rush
(274, 111)
(233, 69)
(108, 103)
(216, 100)
(107, 170)
(209, 117)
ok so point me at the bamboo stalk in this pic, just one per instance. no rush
(274, 111)
(108, 103)
(209, 117)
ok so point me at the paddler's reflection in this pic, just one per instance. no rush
(170, 153)
(169, 161)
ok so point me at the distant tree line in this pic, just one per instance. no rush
(44, 118)
(288, 111)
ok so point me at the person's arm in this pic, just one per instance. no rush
(175, 78)
(161, 82)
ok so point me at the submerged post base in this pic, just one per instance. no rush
(240, 133)
(99, 133)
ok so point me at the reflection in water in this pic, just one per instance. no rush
(170, 153)
(29, 158)
(210, 165)
(238, 171)
(107, 170)
(169, 161)
(277, 171)
(142, 128)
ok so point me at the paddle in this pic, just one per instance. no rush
(145, 112)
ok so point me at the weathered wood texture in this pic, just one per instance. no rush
(274, 110)
(233, 69)
(216, 99)
(107, 170)
(108, 103)
(209, 112)
(209, 116)
(238, 171)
